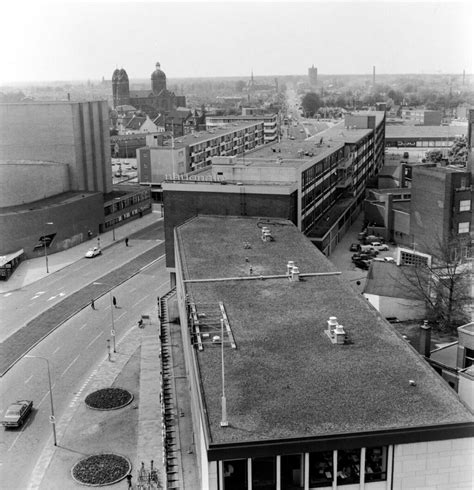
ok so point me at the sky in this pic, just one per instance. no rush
(81, 40)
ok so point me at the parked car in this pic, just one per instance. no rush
(355, 247)
(17, 413)
(362, 264)
(379, 246)
(93, 252)
(370, 239)
(369, 249)
(362, 256)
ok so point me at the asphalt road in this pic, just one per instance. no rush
(74, 350)
(19, 307)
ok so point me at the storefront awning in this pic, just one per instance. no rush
(4, 259)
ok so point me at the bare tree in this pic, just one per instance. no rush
(444, 284)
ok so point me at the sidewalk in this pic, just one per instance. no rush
(133, 431)
(33, 270)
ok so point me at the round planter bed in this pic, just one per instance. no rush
(108, 399)
(101, 469)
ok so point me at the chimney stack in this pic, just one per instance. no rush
(425, 339)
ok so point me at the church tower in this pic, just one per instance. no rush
(120, 88)
(158, 80)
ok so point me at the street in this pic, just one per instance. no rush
(74, 351)
(18, 307)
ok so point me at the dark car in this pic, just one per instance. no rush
(17, 413)
(363, 256)
(354, 247)
(362, 264)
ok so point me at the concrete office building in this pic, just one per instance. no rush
(295, 380)
(170, 159)
(73, 134)
(319, 184)
(56, 177)
(438, 207)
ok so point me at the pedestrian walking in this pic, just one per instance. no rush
(129, 480)
(114, 301)
(126, 242)
(92, 304)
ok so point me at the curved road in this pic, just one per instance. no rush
(74, 350)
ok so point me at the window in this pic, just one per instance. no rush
(465, 205)
(235, 474)
(468, 357)
(292, 473)
(264, 473)
(320, 469)
(348, 467)
(463, 227)
(376, 464)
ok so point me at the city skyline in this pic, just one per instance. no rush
(54, 42)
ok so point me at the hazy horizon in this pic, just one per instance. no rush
(80, 41)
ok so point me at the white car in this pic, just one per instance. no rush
(93, 252)
(380, 247)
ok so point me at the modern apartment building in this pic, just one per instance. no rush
(296, 382)
(170, 159)
(319, 183)
(271, 125)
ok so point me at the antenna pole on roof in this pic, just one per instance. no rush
(224, 421)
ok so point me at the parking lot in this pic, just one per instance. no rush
(342, 256)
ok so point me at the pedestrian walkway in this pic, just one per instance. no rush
(33, 270)
(82, 431)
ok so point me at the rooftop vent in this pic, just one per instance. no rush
(336, 332)
(295, 274)
(266, 234)
(289, 267)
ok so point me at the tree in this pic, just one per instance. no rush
(435, 156)
(311, 103)
(239, 86)
(443, 284)
(458, 153)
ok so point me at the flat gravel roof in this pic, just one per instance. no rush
(286, 379)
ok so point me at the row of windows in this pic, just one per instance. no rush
(125, 203)
(325, 469)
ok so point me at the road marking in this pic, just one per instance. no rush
(132, 290)
(16, 439)
(85, 324)
(52, 297)
(56, 350)
(121, 315)
(43, 399)
(6, 294)
(93, 340)
(143, 299)
(28, 379)
(70, 365)
(62, 294)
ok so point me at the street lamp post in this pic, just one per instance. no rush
(52, 418)
(112, 331)
(45, 248)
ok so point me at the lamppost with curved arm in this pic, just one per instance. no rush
(45, 248)
(52, 418)
(112, 331)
